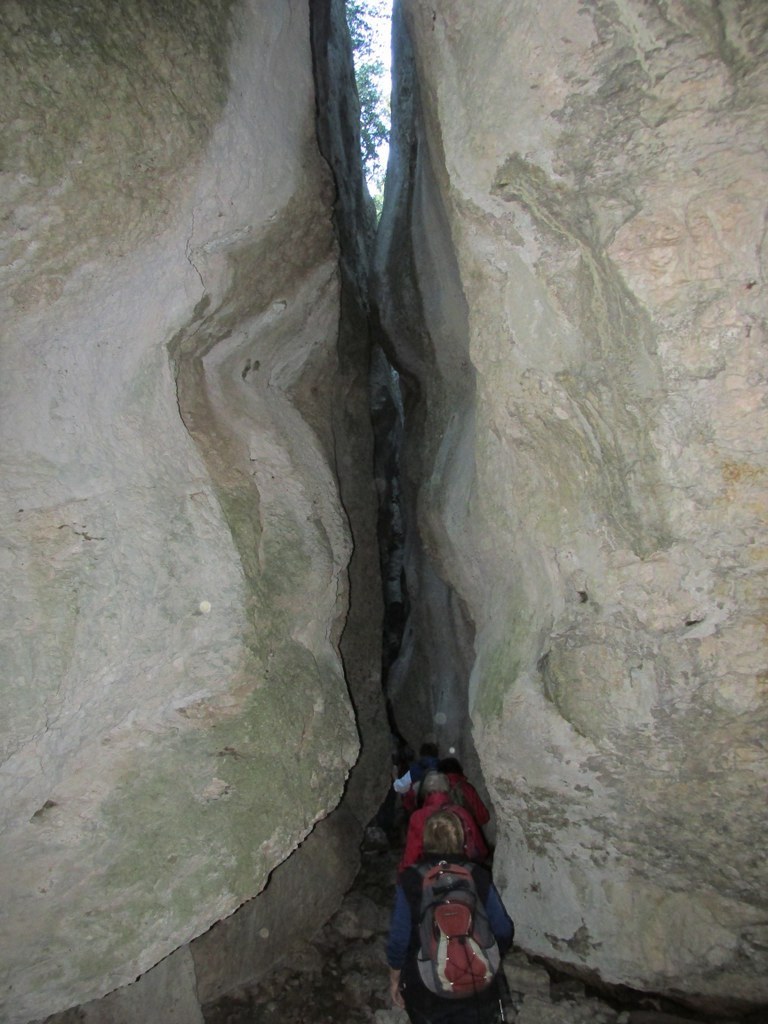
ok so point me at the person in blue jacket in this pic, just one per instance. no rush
(426, 762)
(443, 840)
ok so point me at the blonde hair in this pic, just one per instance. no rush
(443, 833)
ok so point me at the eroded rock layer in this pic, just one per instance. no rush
(181, 494)
(572, 275)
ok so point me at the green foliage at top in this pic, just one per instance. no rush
(368, 19)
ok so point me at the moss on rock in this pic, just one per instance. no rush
(106, 106)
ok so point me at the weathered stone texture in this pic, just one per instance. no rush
(174, 548)
(579, 232)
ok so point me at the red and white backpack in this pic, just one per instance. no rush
(458, 955)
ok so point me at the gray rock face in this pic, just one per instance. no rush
(572, 278)
(572, 274)
(178, 506)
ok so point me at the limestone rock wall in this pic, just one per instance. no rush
(179, 509)
(572, 275)
(428, 680)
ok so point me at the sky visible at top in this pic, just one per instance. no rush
(381, 25)
(382, 45)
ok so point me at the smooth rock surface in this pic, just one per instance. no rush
(178, 504)
(572, 278)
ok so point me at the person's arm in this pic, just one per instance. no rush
(414, 841)
(408, 801)
(403, 784)
(397, 944)
(394, 988)
(475, 805)
(476, 847)
(501, 923)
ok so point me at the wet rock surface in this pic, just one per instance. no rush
(340, 975)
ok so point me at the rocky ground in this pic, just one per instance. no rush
(340, 975)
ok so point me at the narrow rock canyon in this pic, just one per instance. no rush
(510, 444)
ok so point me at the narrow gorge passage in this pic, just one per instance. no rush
(538, 385)
(430, 637)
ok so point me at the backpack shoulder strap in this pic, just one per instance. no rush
(482, 879)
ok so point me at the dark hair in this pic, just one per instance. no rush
(428, 750)
(450, 766)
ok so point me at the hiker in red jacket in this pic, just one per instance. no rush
(464, 793)
(435, 790)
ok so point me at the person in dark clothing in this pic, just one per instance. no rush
(443, 840)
